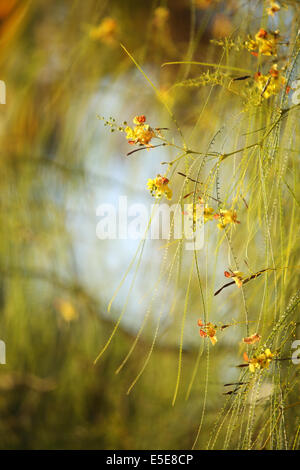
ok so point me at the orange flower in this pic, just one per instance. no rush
(227, 217)
(210, 331)
(141, 134)
(237, 276)
(262, 361)
(262, 34)
(264, 43)
(159, 186)
(139, 119)
(270, 84)
(252, 339)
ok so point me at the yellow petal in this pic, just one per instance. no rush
(213, 340)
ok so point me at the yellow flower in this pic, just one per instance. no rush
(274, 7)
(107, 31)
(237, 276)
(251, 45)
(208, 213)
(212, 335)
(130, 135)
(144, 134)
(265, 359)
(208, 329)
(262, 361)
(270, 84)
(226, 217)
(141, 134)
(159, 187)
(253, 365)
(264, 43)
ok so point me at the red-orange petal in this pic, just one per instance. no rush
(245, 356)
(262, 33)
(252, 339)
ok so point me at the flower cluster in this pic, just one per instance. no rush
(159, 187)
(261, 361)
(264, 43)
(226, 216)
(141, 134)
(208, 214)
(208, 330)
(269, 84)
